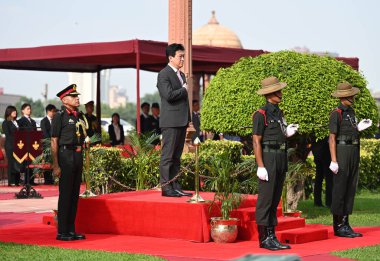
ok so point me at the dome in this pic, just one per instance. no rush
(214, 34)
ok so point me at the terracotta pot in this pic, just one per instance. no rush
(224, 231)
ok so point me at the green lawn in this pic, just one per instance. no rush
(366, 213)
(13, 252)
(362, 253)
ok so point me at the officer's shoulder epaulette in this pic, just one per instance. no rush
(340, 113)
(263, 112)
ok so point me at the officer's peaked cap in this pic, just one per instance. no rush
(70, 90)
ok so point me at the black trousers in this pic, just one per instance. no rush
(276, 163)
(346, 180)
(71, 164)
(13, 167)
(173, 140)
(322, 161)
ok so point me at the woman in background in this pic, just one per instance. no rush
(9, 128)
(116, 131)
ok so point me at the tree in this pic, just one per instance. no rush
(231, 97)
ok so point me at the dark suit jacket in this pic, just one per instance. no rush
(46, 127)
(175, 110)
(145, 124)
(9, 130)
(111, 132)
(25, 124)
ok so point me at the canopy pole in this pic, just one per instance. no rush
(98, 102)
(138, 123)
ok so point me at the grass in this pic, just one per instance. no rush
(13, 252)
(371, 253)
(366, 211)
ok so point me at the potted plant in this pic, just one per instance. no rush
(224, 229)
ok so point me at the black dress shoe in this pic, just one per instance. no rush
(183, 193)
(77, 236)
(170, 193)
(65, 237)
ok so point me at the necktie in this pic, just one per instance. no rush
(179, 76)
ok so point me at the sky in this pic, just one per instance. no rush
(347, 27)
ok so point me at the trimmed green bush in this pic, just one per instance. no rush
(369, 177)
(231, 97)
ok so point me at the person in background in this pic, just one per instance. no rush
(46, 131)
(116, 131)
(196, 119)
(322, 159)
(145, 119)
(9, 126)
(26, 123)
(155, 119)
(93, 126)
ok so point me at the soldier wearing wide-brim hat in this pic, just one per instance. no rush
(269, 141)
(93, 124)
(344, 150)
(68, 134)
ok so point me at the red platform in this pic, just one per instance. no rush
(146, 213)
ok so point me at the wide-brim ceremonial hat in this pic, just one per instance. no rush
(70, 90)
(270, 85)
(345, 89)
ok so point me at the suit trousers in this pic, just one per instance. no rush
(322, 161)
(276, 164)
(346, 180)
(71, 164)
(173, 140)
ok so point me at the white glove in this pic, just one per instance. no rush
(262, 173)
(334, 167)
(364, 124)
(291, 129)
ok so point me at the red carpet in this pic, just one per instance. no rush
(41, 234)
(147, 213)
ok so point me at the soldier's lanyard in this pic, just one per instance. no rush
(279, 120)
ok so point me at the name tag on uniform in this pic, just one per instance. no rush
(71, 121)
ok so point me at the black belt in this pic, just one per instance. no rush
(72, 147)
(274, 147)
(347, 142)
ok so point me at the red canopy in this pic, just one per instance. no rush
(92, 57)
(139, 54)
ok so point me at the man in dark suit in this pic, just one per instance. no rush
(145, 119)
(174, 119)
(156, 118)
(46, 131)
(92, 120)
(196, 119)
(26, 123)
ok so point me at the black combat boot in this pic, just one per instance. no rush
(271, 231)
(349, 228)
(340, 230)
(265, 240)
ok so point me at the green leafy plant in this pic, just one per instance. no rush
(224, 184)
(306, 100)
(369, 164)
(144, 160)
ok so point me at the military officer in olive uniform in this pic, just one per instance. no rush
(68, 134)
(344, 150)
(269, 142)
